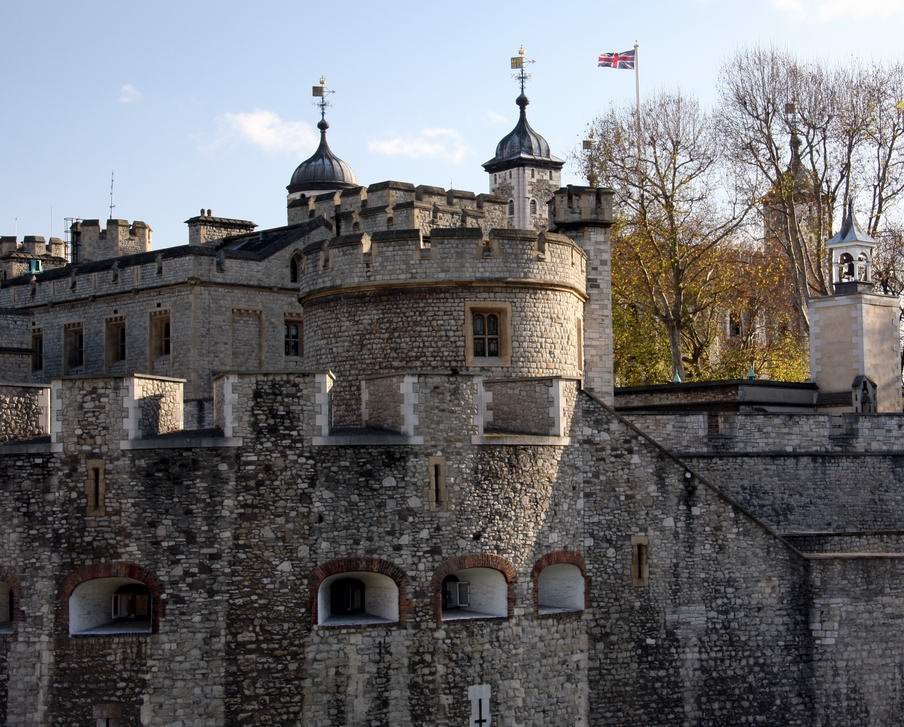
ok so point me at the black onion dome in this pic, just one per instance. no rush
(522, 144)
(323, 169)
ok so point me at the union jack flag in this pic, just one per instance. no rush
(625, 59)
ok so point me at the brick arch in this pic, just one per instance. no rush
(15, 588)
(559, 557)
(480, 560)
(367, 565)
(117, 569)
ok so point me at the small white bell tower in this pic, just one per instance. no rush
(852, 256)
(855, 348)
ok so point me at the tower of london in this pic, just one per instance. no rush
(370, 468)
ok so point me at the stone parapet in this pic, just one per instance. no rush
(399, 205)
(406, 258)
(725, 432)
(396, 409)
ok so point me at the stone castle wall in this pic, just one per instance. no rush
(235, 536)
(718, 432)
(798, 472)
(858, 604)
(24, 411)
(392, 331)
(15, 345)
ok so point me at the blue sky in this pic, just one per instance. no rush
(208, 103)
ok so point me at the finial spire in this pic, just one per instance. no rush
(320, 91)
(518, 63)
(791, 111)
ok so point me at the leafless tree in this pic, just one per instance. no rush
(808, 138)
(677, 206)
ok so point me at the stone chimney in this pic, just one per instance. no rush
(205, 228)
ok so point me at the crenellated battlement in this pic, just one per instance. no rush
(119, 238)
(398, 206)
(408, 257)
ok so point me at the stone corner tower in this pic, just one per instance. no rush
(855, 348)
(585, 215)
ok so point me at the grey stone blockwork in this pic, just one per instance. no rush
(691, 608)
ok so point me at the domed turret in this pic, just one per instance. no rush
(323, 171)
(521, 144)
(523, 171)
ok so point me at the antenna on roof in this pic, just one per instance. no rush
(518, 63)
(112, 206)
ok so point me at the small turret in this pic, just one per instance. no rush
(523, 171)
(323, 171)
(852, 256)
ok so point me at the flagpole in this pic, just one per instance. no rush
(637, 97)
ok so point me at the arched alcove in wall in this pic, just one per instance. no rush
(472, 587)
(358, 591)
(357, 597)
(116, 605)
(560, 583)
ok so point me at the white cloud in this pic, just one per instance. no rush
(129, 94)
(824, 11)
(496, 118)
(265, 130)
(428, 143)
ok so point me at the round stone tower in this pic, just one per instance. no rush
(506, 305)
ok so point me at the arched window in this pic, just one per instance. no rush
(357, 597)
(533, 206)
(6, 608)
(485, 334)
(511, 208)
(105, 606)
(560, 589)
(845, 267)
(295, 268)
(474, 593)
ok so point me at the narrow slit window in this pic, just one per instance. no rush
(95, 489)
(438, 492)
(37, 351)
(640, 560)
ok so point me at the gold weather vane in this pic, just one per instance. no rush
(320, 91)
(518, 63)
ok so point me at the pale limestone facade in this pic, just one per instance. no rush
(852, 335)
(529, 189)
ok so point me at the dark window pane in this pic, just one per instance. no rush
(478, 324)
(492, 347)
(493, 325)
(480, 347)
